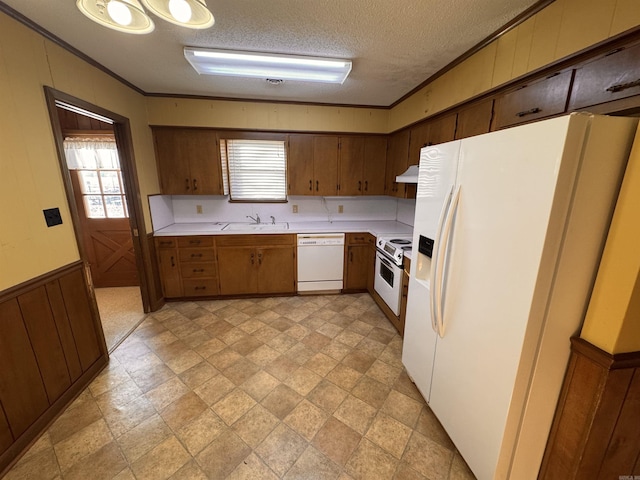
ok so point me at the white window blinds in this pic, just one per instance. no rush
(257, 170)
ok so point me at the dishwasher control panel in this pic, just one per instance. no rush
(321, 239)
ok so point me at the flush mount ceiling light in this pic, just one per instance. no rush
(261, 65)
(128, 15)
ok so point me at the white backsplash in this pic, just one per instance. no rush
(167, 209)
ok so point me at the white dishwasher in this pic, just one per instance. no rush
(320, 262)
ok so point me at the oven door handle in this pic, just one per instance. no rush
(385, 261)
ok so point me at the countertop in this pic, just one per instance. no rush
(216, 228)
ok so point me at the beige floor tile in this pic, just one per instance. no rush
(252, 325)
(358, 360)
(460, 470)
(252, 468)
(297, 331)
(263, 355)
(241, 371)
(141, 362)
(281, 449)
(337, 440)
(183, 410)
(343, 376)
(166, 393)
(428, 457)
(330, 330)
(405, 472)
(370, 461)
(255, 425)
(39, 465)
(233, 406)
(321, 364)
(119, 395)
(114, 374)
(404, 385)
(223, 455)
(300, 353)
(266, 333)
(139, 440)
(214, 389)
(384, 373)
(189, 471)
(303, 381)
(371, 347)
(125, 474)
(282, 342)
(123, 418)
(149, 378)
(327, 396)
(281, 401)
(282, 367)
(356, 414)
(371, 391)
(313, 465)
(246, 345)
(210, 347)
(224, 358)
(389, 434)
(402, 408)
(429, 426)
(201, 431)
(184, 361)
(336, 350)
(306, 419)
(74, 420)
(349, 338)
(161, 462)
(260, 385)
(105, 464)
(360, 327)
(198, 374)
(82, 443)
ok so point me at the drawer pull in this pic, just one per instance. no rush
(200, 288)
(198, 270)
(194, 242)
(196, 255)
(623, 86)
(166, 243)
(528, 112)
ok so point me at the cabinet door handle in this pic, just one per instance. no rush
(623, 86)
(317, 185)
(195, 184)
(260, 258)
(253, 261)
(310, 185)
(524, 113)
(173, 263)
(186, 183)
(366, 185)
(359, 185)
(351, 257)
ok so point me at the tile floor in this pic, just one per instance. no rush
(288, 387)
(120, 311)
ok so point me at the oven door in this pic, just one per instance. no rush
(388, 282)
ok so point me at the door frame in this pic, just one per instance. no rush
(122, 133)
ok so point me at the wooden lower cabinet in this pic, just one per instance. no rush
(359, 262)
(256, 264)
(167, 251)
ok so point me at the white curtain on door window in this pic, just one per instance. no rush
(91, 153)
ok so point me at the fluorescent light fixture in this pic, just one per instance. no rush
(267, 65)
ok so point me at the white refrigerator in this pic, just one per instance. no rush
(518, 220)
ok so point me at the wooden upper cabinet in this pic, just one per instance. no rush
(300, 165)
(351, 165)
(442, 130)
(539, 99)
(397, 163)
(325, 165)
(375, 160)
(418, 138)
(612, 77)
(188, 161)
(474, 120)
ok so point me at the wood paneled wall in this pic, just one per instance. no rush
(596, 430)
(51, 347)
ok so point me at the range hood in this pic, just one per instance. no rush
(410, 176)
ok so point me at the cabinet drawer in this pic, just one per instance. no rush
(199, 287)
(612, 77)
(189, 242)
(357, 238)
(196, 254)
(197, 269)
(166, 242)
(255, 240)
(540, 99)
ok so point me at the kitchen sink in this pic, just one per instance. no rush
(256, 227)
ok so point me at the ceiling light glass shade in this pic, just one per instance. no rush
(260, 65)
(123, 15)
(186, 13)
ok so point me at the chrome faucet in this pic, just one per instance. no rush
(273, 220)
(257, 219)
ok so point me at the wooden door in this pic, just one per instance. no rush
(357, 267)
(374, 168)
(108, 244)
(475, 120)
(200, 150)
(169, 272)
(173, 169)
(237, 270)
(22, 392)
(325, 165)
(300, 165)
(276, 269)
(351, 165)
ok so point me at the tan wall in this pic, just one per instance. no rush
(562, 28)
(613, 317)
(264, 116)
(30, 178)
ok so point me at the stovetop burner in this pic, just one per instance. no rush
(400, 241)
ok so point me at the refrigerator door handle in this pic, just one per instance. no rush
(442, 263)
(434, 303)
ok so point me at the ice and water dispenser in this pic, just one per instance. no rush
(425, 251)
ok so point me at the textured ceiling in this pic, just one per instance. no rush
(395, 44)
